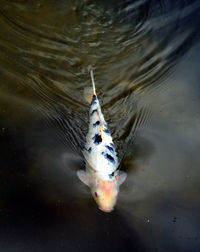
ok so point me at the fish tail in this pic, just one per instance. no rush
(90, 91)
(93, 84)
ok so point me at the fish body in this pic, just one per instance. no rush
(101, 173)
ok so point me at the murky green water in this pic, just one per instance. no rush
(145, 56)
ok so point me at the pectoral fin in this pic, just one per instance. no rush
(82, 176)
(122, 177)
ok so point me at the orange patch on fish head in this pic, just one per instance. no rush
(106, 195)
(107, 187)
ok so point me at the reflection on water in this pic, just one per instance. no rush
(145, 57)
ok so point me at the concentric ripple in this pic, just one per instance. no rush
(47, 49)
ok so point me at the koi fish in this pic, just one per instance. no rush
(101, 173)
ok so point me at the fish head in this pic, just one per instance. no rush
(104, 192)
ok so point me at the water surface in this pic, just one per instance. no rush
(145, 56)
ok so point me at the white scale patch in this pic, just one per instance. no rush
(99, 149)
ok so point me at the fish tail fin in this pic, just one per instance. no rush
(88, 94)
(90, 91)
(93, 84)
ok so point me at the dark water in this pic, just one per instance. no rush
(145, 56)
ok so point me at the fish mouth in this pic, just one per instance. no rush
(106, 209)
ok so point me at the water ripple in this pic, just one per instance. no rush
(132, 46)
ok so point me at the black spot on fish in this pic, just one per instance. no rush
(109, 157)
(110, 148)
(90, 149)
(112, 145)
(106, 131)
(94, 100)
(93, 111)
(111, 175)
(97, 139)
(96, 124)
